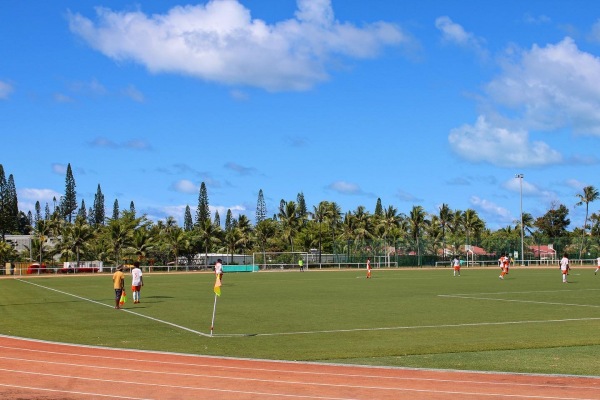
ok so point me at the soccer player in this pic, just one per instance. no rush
(137, 281)
(219, 269)
(118, 284)
(503, 261)
(456, 265)
(564, 267)
(598, 265)
(368, 268)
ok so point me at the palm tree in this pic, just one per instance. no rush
(434, 233)
(445, 218)
(42, 231)
(264, 231)
(590, 194)
(389, 222)
(319, 214)
(120, 233)
(290, 221)
(142, 243)
(363, 229)
(208, 235)
(334, 219)
(176, 238)
(417, 220)
(79, 235)
(473, 225)
(233, 238)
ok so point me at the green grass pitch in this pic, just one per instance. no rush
(530, 322)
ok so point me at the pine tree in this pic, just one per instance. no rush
(188, 223)
(203, 210)
(217, 220)
(3, 204)
(38, 213)
(302, 209)
(47, 212)
(82, 213)
(90, 217)
(132, 209)
(378, 208)
(115, 214)
(261, 208)
(228, 220)
(69, 203)
(99, 213)
(12, 205)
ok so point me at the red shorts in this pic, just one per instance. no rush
(457, 267)
(136, 288)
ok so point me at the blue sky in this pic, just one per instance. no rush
(415, 102)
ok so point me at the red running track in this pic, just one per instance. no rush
(36, 370)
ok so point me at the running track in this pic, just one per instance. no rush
(45, 370)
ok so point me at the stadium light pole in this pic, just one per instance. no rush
(520, 176)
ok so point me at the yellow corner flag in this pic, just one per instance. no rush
(218, 286)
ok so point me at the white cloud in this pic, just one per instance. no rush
(60, 169)
(92, 87)
(551, 87)
(134, 144)
(575, 184)
(529, 189)
(499, 146)
(185, 186)
(544, 89)
(489, 208)
(29, 196)
(133, 93)
(455, 34)
(594, 35)
(219, 41)
(345, 187)
(240, 169)
(41, 195)
(62, 98)
(536, 20)
(5, 90)
(137, 144)
(236, 211)
(407, 197)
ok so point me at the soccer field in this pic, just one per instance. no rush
(529, 322)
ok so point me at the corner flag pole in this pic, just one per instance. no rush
(212, 324)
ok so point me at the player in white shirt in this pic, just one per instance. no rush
(564, 267)
(456, 266)
(137, 281)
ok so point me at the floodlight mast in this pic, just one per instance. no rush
(520, 177)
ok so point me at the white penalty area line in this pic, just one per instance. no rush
(123, 310)
(518, 301)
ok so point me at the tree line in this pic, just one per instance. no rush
(71, 231)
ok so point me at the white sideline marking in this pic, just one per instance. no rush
(124, 310)
(393, 328)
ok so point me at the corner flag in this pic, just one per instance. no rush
(218, 287)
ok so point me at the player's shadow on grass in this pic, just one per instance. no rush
(158, 297)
